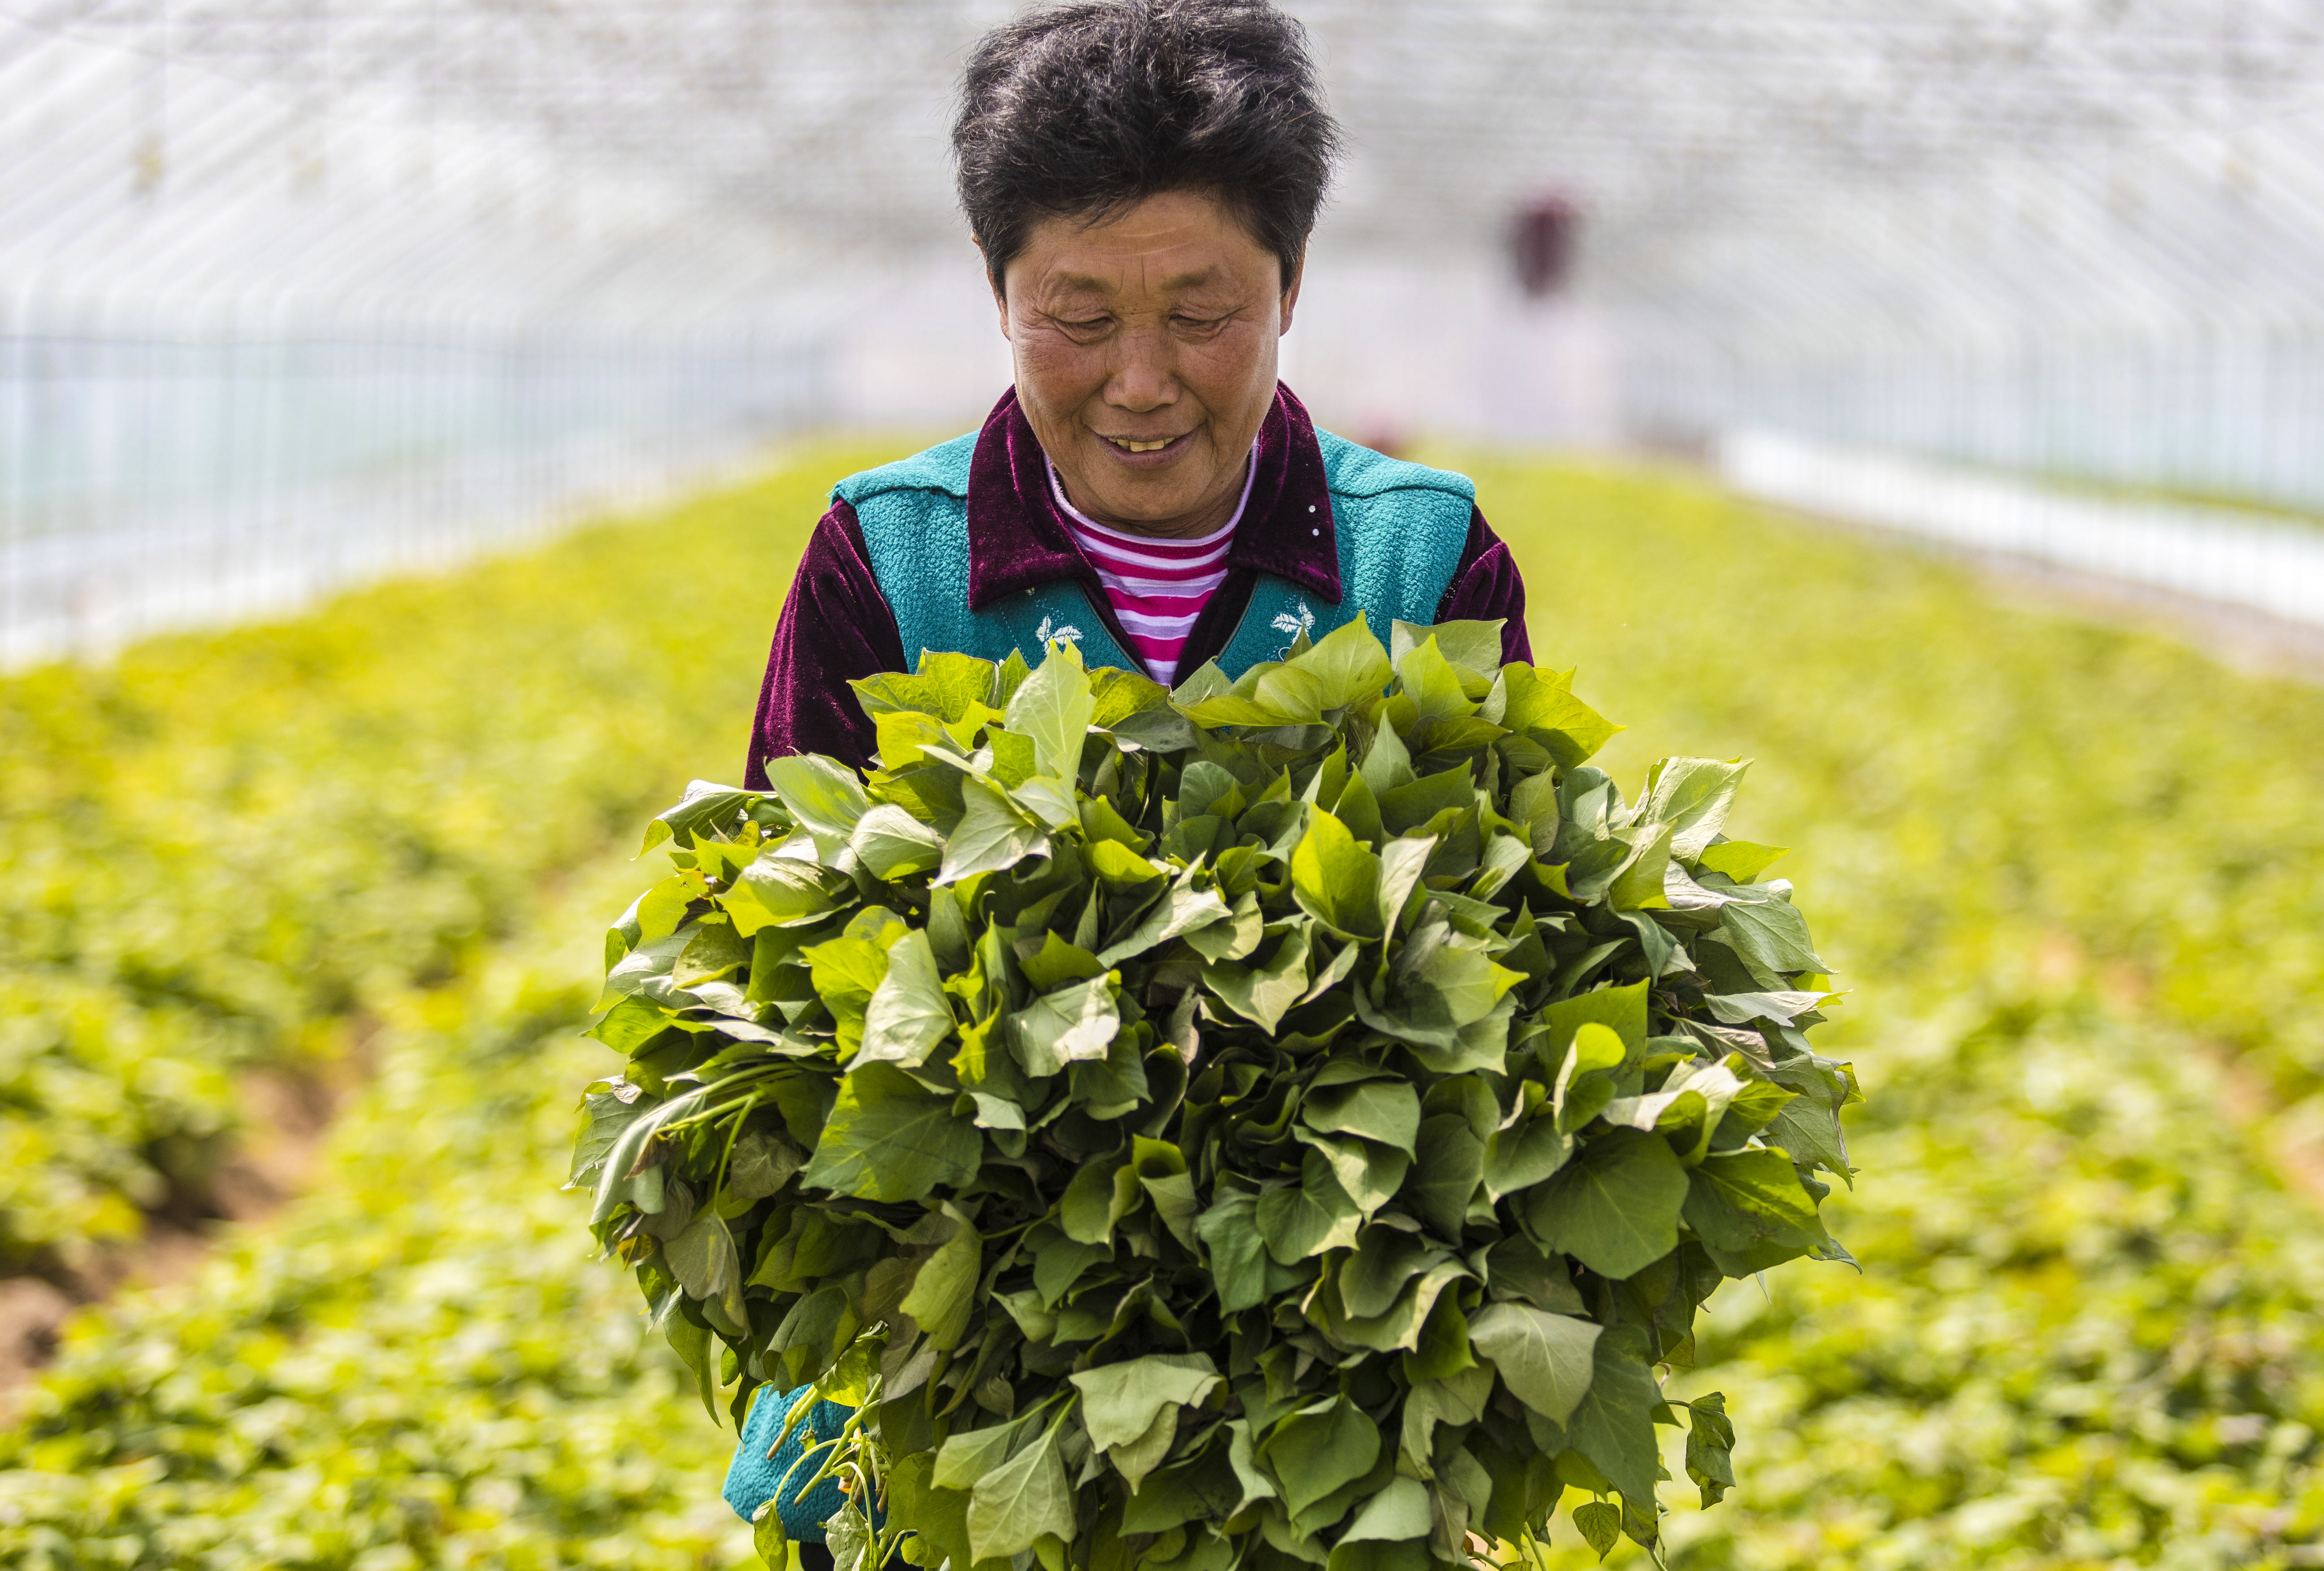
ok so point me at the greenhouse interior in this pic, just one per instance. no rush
(412, 413)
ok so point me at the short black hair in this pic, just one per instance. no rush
(1089, 107)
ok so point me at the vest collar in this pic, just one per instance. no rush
(1017, 540)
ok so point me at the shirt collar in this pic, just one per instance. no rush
(1018, 539)
(1082, 525)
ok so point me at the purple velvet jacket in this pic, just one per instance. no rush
(837, 626)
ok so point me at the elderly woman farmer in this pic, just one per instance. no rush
(1141, 176)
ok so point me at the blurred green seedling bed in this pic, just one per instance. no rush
(2070, 865)
(219, 852)
(2074, 866)
(415, 1366)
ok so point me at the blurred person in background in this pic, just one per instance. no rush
(1141, 176)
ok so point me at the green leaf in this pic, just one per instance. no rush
(1122, 697)
(1319, 1450)
(1693, 796)
(703, 1257)
(908, 1013)
(1118, 864)
(1474, 645)
(1431, 683)
(1710, 1439)
(1600, 1523)
(779, 892)
(847, 971)
(1811, 1134)
(1517, 1267)
(1073, 1025)
(1456, 1400)
(888, 1140)
(1057, 963)
(1546, 712)
(945, 684)
(1225, 709)
(1639, 886)
(1739, 860)
(1771, 932)
(1234, 937)
(1337, 878)
(1401, 1326)
(1358, 809)
(1782, 1008)
(767, 1538)
(848, 1537)
(1370, 1174)
(1024, 1498)
(1262, 994)
(1401, 1510)
(1465, 984)
(1525, 1153)
(1751, 1211)
(1449, 1164)
(993, 834)
(1306, 1218)
(607, 1114)
(1348, 664)
(971, 1454)
(1207, 787)
(891, 843)
(691, 1342)
(1054, 707)
(1402, 861)
(1120, 1401)
(1613, 1424)
(1233, 1249)
(705, 806)
(825, 796)
(1615, 1207)
(1384, 1259)
(713, 950)
(1098, 1194)
(1287, 694)
(943, 1291)
(1388, 1111)
(1180, 911)
(1544, 1359)
(1386, 764)
(1419, 801)
(1621, 1009)
(761, 1165)
(1014, 760)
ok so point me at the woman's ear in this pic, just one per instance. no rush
(1291, 291)
(993, 282)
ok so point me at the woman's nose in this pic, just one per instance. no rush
(1143, 378)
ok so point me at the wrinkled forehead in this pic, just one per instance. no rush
(1170, 247)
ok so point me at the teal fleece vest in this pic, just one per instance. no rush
(1400, 528)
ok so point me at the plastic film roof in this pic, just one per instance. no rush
(1742, 162)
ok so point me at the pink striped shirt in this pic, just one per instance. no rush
(1156, 587)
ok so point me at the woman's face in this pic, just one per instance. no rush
(1145, 347)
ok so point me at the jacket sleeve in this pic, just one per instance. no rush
(835, 627)
(1487, 586)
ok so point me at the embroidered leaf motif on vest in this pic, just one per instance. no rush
(1068, 634)
(1296, 622)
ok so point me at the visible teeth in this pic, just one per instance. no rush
(1130, 447)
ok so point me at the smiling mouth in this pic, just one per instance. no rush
(1127, 446)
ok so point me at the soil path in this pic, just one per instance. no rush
(287, 1118)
